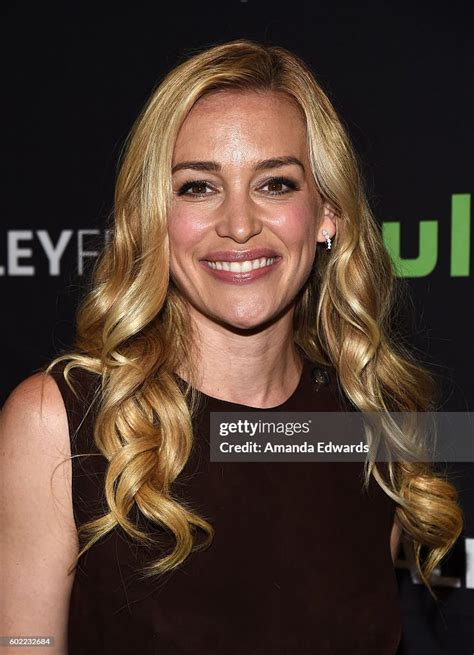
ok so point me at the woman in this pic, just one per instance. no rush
(245, 272)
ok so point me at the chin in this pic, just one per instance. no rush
(246, 321)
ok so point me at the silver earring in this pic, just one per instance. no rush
(328, 239)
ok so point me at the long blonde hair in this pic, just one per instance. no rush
(134, 332)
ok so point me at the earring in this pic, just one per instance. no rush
(328, 239)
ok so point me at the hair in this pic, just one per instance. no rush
(133, 329)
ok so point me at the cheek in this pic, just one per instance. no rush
(296, 225)
(185, 230)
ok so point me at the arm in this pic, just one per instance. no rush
(38, 537)
(395, 538)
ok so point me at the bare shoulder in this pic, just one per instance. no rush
(37, 396)
(38, 533)
(34, 426)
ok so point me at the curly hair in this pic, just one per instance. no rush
(133, 329)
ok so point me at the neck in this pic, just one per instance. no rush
(255, 368)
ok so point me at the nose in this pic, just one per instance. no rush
(239, 218)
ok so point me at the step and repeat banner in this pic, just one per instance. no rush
(74, 80)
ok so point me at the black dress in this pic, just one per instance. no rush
(300, 563)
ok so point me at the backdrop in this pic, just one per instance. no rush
(75, 78)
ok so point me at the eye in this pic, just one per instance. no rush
(281, 181)
(193, 184)
(203, 184)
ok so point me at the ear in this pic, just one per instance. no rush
(327, 221)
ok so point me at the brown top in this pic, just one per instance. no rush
(300, 561)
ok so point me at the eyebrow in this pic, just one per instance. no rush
(274, 162)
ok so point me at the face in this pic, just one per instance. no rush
(245, 215)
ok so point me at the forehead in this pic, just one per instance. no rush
(243, 121)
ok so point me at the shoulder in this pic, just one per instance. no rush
(34, 431)
(37, 395)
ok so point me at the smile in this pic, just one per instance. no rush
(243, 272)
(242, 267)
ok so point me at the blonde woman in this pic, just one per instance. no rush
(245, 272)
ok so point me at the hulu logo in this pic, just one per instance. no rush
(427, 258)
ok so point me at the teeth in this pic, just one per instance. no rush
(242, 267)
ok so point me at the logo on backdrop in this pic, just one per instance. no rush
(28, 249)
(28, 252)
(428, 248)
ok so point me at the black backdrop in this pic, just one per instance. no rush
(74, 79)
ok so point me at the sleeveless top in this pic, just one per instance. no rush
(300, 561)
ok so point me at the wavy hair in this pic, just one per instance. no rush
(133, 330)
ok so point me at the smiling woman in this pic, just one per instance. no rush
(245, 272)
(243, 246)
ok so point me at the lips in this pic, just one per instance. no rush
(239, 255)
(217, 269)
